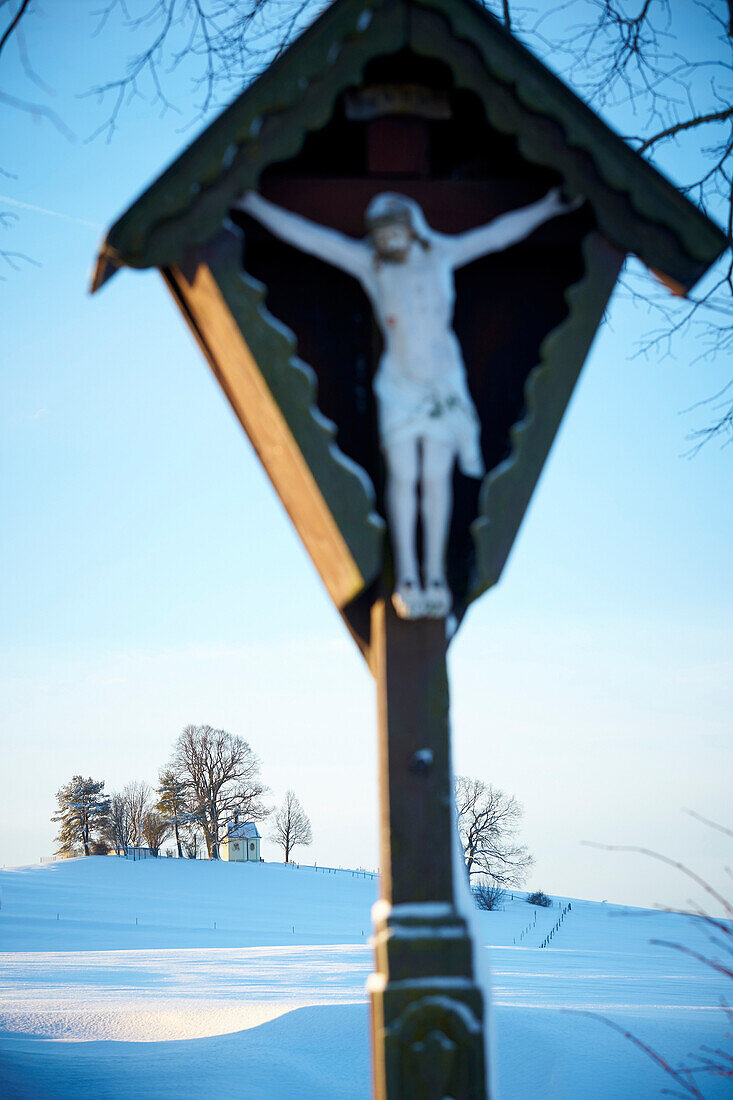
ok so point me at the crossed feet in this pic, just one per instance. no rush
(410, 601)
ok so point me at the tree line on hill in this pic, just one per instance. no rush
(211, 776)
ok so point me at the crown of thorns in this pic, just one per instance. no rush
(388, 212)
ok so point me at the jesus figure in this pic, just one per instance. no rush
(427, 419)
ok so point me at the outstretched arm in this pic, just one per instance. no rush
(507, 229)
(327, 244)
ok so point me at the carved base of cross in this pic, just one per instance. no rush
(427, 1029)
(427, 1010)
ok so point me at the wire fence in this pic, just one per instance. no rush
(146, 853)
(356, 872)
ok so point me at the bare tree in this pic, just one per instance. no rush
(488, 822)
(155, 830)
(220, 775)
(117, 832)
(82, 811)
(137, 797)
(126, 817)
(291, 825)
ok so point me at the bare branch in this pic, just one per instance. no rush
(38, 111)
(688, 124)
(693, 813)
(13, 260)
(681, 1077)
(25, 60)
(14, 23)
(722, 901)
(718, 967)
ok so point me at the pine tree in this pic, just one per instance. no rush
(82, 811)
(171, 803)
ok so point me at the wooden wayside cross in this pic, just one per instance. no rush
(394, 250)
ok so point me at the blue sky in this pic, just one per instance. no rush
(150, 577)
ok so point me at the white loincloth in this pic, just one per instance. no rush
(440, 409)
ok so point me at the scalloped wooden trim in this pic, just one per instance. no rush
(270, 120)
(274, 395)
(594, 160)
(268, 123)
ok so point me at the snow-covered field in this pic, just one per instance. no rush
(170, 978)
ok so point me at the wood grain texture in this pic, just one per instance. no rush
(409, 663)
(274, 429)
(424, 989)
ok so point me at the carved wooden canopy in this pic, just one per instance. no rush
(436, 99)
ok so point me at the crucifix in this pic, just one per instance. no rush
(427, 418)
(428, 1007)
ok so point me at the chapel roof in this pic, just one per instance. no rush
(243, 830)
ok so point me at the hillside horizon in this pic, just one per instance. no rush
(136, 978)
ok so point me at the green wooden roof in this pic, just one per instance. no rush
(636, 207)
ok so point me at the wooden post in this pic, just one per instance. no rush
(427, 1011)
